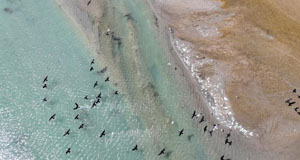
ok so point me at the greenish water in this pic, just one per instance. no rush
(38, 40)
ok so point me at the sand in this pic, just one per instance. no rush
(247, 53)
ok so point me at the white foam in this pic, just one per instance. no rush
(212, 87)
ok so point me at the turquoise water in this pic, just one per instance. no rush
(37, 39)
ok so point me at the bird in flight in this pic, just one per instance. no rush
(162, 152)
(52, 117)
(135, 148)
(45, 79)
(181, 132)
(77, 106)
(68, 151)
(67, 133)
(194, 114)
(81, 126)
(102, 134)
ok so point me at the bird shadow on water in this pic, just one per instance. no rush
(53, 102)
(189, 137)
(168, 154)
(53, 84)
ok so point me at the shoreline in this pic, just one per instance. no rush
(250, 143)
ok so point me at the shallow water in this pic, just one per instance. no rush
(37, 39)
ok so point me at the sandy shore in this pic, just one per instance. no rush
(244, 57)
(241, 67)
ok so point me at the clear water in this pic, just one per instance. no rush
(37, 39)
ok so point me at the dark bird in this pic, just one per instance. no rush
(135, 148)
(93, 61)
(67, 133)
(86, 97)
(205, 128)
(298, 113)
(222, 158)
(289, 102)
(296, 109)
(45, 99)
(228, 142)
(210, 132)
(102, 134)
(96, 84)
(194, 114)
(52, 117)
(162, 152)
(228, 135)
(68, 151)
(94, 105)
(181, 132)
(116, 93)
(81, 126)
(45, 86)
(202, 119)
(294, 90)
(77, 106)
(99, 95)
(89, 2)
(107, 79)
(92, 68)
(45, 79)
(77, 116)
(97, 101)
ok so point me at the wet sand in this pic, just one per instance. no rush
(241, 59)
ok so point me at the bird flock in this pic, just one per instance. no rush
(135, 148)
(77, 106)
(291, 102)
(213, 128)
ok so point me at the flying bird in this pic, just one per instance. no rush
(107, 79)
(45, 86)
(81, 126)
(92, 68)
(96, 84)
(228, 142)
(45, 79)
(52, 117)
(202, 119)
(102, 134)
(222, 158)
(181, 132)
(135, 148)
(93, 61)
(77, 106)
(77, 116)
(99, 95)
(67, 133)
(194, 114)
(228, 135)
(205, 128)
(68, 151)
(162, 152)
